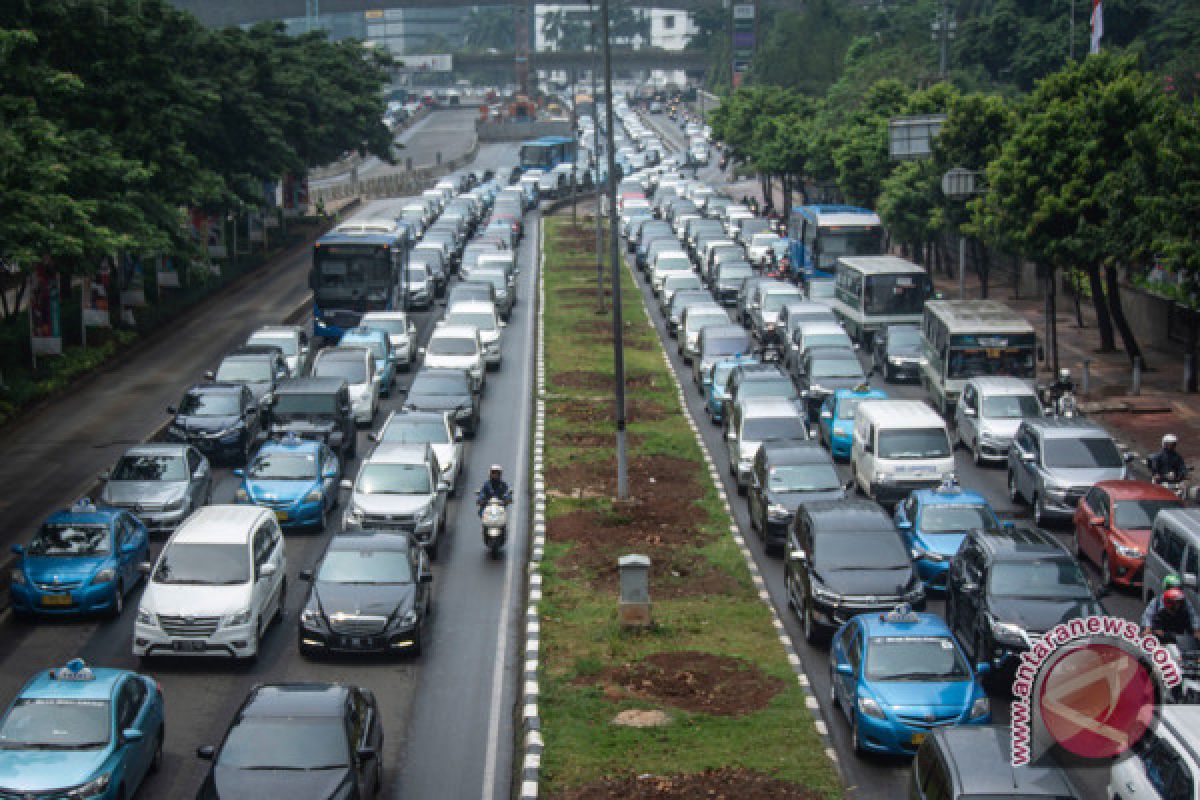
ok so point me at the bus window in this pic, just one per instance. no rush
(896, 294)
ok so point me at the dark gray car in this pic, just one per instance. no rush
(445, 389)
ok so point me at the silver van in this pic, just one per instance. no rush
(988, 413)
(756, 420)
(1174, 549)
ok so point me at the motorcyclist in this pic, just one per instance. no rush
(1171, 616)
(493, 487)
(772, 338)
(1167, 464)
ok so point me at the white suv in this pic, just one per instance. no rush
(457, 347)
(220, 580)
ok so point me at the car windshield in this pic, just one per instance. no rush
(1135, 515)
(210, 404)
(1053, 578)
(781, 387)
(905, 337)
(365, 566)
(249, 370)
(697, 321)
(1011, 406)
(393, 327)
(440, 385)
(54, 723)
(956, 519)
(352, 370)
(803, 478)
(914, 443)
(777, 300)
(823, 288)
(726, 346)
(375, 345)
(150, 468)
(1082, 453)
(407, 432)
(475, 319)
(673, 264)
(283, 341)
(208, 564)
(393, 479)
(848, 405)
(731, 273)
(290, 403)
(418, 274)
(761, 429)
(915, 658)
(300, 742)
(452, 346)
(70, 539)
(834, 368)
(827, 340)
(280, 466)
(875, 550)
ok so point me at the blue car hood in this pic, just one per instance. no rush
(916, 697)
(945, 544)
(39, 770)
(279, 490)
(47, 569)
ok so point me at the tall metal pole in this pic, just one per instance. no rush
(596, 160)
(618, 325)
(1071, 44)
(945, 32)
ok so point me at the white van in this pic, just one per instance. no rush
(1165, 762)
(899, 446)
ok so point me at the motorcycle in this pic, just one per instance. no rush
(1177, 483)
(495, 525)
(1188, 690)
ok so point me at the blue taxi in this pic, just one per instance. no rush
(934, 522)
(715, 391)
(898, 675)
(81, 732)
(380, 344)
(82, 560)
(835, 423)
(296, 478)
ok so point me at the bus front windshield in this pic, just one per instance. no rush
(896, 294)
(536, 156)
(974, 362)
(859, 241)
(347, 268)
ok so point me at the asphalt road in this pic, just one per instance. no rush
(446, 714)
(866, 776)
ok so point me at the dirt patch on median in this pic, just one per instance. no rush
(593, 411)
(717, 784)
(673, 573)
(695, 681)
(593, 381)
(662, 487)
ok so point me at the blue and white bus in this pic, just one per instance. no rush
(819, 234)
(548, 152)
(353, 273)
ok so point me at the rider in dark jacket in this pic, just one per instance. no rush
(1167, 462)
(494, 486)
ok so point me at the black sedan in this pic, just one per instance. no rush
(445, 389)
(221, 420)
(371, 593)
(786, 474)
(310, 740)
(897, 353)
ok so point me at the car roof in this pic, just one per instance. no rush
(918, 624)
(897, 413)
(364, 332)
(219, 524)
(390, 453)
(752, 407)
(821, 326)
(370, 540)
(448, 331)
(870, 394)
(1002, 385)
(292, 444)
(342, 351)
(1063, 427)
(1136, 490)
(296, 700)
(979, 757)
(723, 330)
(949, 496)
(1018, 543)
(157, 449)
(309, 385)
(89, 514)
(413, 415)
(853, 514)
(216, 387)
(1183, 721)
(794, 451)
(44, 685)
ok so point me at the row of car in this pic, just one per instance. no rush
(220, 579)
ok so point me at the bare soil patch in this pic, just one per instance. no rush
(719, 784)
(659, 485)
(674, 573)
(599, 410)
(599, 380)
(696, 681)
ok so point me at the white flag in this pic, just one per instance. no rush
(1097, 26)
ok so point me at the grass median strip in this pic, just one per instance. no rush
(705, 699)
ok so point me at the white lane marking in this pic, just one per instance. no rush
(522, 463)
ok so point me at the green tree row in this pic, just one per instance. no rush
(118, 115)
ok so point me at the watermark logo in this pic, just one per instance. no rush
(1092, 685)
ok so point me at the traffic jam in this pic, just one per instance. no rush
(922, 506)
(358, 425)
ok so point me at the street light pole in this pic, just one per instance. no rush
(618, 325)
(596, 160)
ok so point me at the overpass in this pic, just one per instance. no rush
(622, 59)
(219, 13)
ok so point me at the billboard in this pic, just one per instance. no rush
(743, 30)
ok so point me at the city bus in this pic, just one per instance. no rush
(819, 234)
(548, 152)
(966, 339)
(353, 273)
(872, 292)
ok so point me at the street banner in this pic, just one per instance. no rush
(166, 275)
(1097, 26)
(45, 328)
(295, 196)
(207, 232)
(95, 293)
(133, 281)
(271, 196)
(255, 231)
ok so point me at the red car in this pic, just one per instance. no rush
(1112, 527)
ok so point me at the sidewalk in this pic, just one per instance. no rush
(1136, 421)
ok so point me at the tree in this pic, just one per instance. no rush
(490, 29)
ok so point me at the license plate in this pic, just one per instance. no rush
(357, 642)
(188, 646)
(281, 515)
(917, 738)
(56, 599)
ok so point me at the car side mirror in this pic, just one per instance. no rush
(443, 486)
(421, 352)
(969, 587)
(458, 436)
(983, 668)
(130, 735)
(206, 752)
(868, 447)
(1189, 581)
(210, 375)
(144, 567)
(425, 576)
(373, 436)
(731, 436)
(306, 575)
(903, 525)
(826, 414)
(331, 472)
(798, 556)
(266, 570)
(18, 549)
(503, 324)
(1028, 458)
(1127, 456)
(968, 411)
(172, 410)
(105, 475)
(347, 485)
(844, 668)
(241, 473)
(365, 753)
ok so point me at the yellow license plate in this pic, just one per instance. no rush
(280, 515)
(917, 738)
(56, 599)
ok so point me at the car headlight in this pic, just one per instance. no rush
(425, 515)
(310, 616)
(95, 786)
(1008, 633)
(1127, 551)
(868, 707)
(980, 708)
(313, 497)
(824, 595)
(18, 576)
(776, 511)
(462, 413)
(106, 575)
(236, 618)
(919, 550)
(145, 617)
(173, 505)
(240, 495)
(354, 515)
